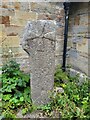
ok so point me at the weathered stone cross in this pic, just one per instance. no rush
(39, 42)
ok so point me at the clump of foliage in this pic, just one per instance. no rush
(74, 102)
(60, 76)
(15, 90)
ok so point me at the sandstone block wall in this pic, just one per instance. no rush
(13, 18)
(79, 37)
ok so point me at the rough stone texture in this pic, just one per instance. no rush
(40, 115)
(58, 90)
(15, 15)
(39, 42)
(82, 77)
(78, 38)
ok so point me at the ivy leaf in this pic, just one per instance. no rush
(18, 94)
(20, 82)
(14, 100)
(8, 89)
(0, 104)
(78, 111)
(21, 99)
(7, 97)
(24, 111)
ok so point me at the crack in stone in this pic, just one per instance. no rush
(39, 37)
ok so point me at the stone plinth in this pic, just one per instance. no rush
(39, 42)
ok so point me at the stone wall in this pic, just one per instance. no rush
(13, 18)
(15, 15)
(78, 37)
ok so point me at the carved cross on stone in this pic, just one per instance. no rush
(39, 42)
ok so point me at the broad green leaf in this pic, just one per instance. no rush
(6, 97)
(21, 99)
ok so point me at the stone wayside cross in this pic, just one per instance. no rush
(39, 42)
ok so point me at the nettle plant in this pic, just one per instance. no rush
(15, 89)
